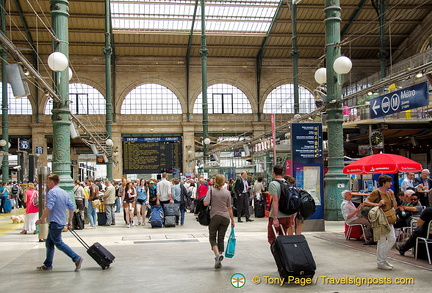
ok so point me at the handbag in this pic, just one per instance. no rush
(35, 198)
(231, 245)
(204, 213)
(96, 203)
(391, 213)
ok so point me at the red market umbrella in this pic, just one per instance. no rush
(382, 163)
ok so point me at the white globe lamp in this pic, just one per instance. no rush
(58, 61)
(70, 73)
(321, 75)
(109, 142)
(342, 65)
(207, 141)
(2, 142)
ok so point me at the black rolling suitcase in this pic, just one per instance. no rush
(259, 208)
(100, 254)
(293, 256)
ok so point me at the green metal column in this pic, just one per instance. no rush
(5, 117)
(61, 113)
(204, 53)
(294, 55)
(383, 54)
(335, 180)
(108, 52)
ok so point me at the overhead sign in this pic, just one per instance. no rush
(408, 98)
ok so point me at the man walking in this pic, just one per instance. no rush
(277, 218)
(109, 199)
(57, 202)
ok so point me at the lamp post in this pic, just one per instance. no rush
(335, 180)
(4, 98)
(58, 62)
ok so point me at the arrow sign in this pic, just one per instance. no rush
(412, 97)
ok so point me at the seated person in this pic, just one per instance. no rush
(410, 207)
(420, 231)
(352, 214)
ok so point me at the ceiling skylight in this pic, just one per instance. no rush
(175, 16)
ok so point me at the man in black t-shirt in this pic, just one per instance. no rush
(420, 231)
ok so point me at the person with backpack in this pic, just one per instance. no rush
(277, 218)
(15, 195)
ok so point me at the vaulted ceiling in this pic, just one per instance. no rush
(235, 28)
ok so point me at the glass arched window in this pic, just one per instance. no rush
(17, 106)
(84, 100)
(224, 99)
(281, 100)
(151, 99)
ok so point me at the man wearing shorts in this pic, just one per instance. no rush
(278, 219)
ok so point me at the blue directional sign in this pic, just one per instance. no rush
(408, 98)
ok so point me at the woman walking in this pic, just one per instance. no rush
(220, 215)
(32, 210)
(141, 201)
(384, 198)
(129, 203)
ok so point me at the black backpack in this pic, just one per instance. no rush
(289, 200)
(15, 189)
(307, 206)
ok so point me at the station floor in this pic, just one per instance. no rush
(180, 260)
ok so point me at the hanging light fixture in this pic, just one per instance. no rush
(58, 61)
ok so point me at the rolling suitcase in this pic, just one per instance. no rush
(100, 254)
(170, 221)
(171, 209)
(156, 216)
(259, 208)
(8, 206)
(293, 256)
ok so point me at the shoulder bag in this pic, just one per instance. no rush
(391, 213)
(204, 213)
(231, 245)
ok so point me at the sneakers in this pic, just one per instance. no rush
(384, 267)
(128, 225)
(399, 248)
(78, 264)
(218, 261)
(388, 264)
(43, 268)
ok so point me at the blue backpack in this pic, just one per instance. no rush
(156, 216)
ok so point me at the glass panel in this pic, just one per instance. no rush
(17, 106)
(221, 16)
(281, 100)
(151, 99)
(84, 99)
(231, 100)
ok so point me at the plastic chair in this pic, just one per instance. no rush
(347, 237)
(426, 241)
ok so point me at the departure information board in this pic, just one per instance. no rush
(145, 155)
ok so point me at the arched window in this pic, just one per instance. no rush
(151, 99)
(84, 99)
(224, 99)
(281, 100)
(17, 106)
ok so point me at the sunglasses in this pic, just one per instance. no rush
(414, 199)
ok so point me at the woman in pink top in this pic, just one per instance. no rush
(32, 211)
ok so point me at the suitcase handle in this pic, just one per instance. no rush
(274, 230)
(80, 240)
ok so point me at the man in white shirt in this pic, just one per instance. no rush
(352, 214)
(408, 182)
(163, 191)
